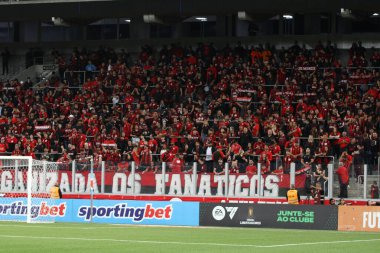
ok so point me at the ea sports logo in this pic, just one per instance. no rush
(218, 213)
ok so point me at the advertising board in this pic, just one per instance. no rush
(103, 211)
(359, 218)
(269, 216)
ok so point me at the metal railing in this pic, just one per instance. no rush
(134, 179)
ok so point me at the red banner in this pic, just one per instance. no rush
(175, 184)
(240, 185)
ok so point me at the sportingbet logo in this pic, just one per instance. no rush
(42, 210)
(122, 211)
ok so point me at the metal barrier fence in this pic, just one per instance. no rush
(176, 179)
(192, 180)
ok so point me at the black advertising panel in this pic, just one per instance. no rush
(269, 216)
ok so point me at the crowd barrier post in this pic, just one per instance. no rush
(226, 179)
(91, 186)
(259, 192)
(133, 173)
(17, 172)
(365, 181)
(194, 179)
(163, 178)
(73, 183)
(44, 163)
(330, 168)
(292, 174)
(378, 169)
(103, 175)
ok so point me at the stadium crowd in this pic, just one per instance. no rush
(184, 104)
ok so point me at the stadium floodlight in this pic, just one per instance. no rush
(287, 16)
(26, 185)
(242, 15)
(59, 21)
(128, 20)
(202, 19)
(375, 14)
(346, 13)
(151, 18)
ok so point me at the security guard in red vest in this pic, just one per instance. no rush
(292, 196)
(55, 192)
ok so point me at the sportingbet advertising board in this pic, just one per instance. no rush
(42, 210)
(137, 212)
(102, 211)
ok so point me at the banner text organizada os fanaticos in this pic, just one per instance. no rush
(239, 185)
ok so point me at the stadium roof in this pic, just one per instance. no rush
(32, 9)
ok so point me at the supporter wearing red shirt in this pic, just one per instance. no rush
(251, 169)
(267, 153)
(177, 164)
(258, 146)
(235, 148)
(255, 129)
(11, 141)
(294, 130)
(264, 162)
(64, 160)
(343, 142)
(3, 145)
(346, 159)
(276, 152)
(29, 152)
(296, 151)
(17, 151)
(146, 162)
(344, 178)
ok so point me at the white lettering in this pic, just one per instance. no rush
(189, 185)
(160, 185)
(6, 181)
(64, 185)
(205, 186)
(137, 180)
(220, 180)
(20, 184)
(175, 185)
(34, 181)
(371, 220)
(123, 183)
(239, 192)
(80, 183)
(52, 178)
(231, 185)
(253, 187)
(272, 186)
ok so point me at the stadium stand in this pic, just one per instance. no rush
(184, 104)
